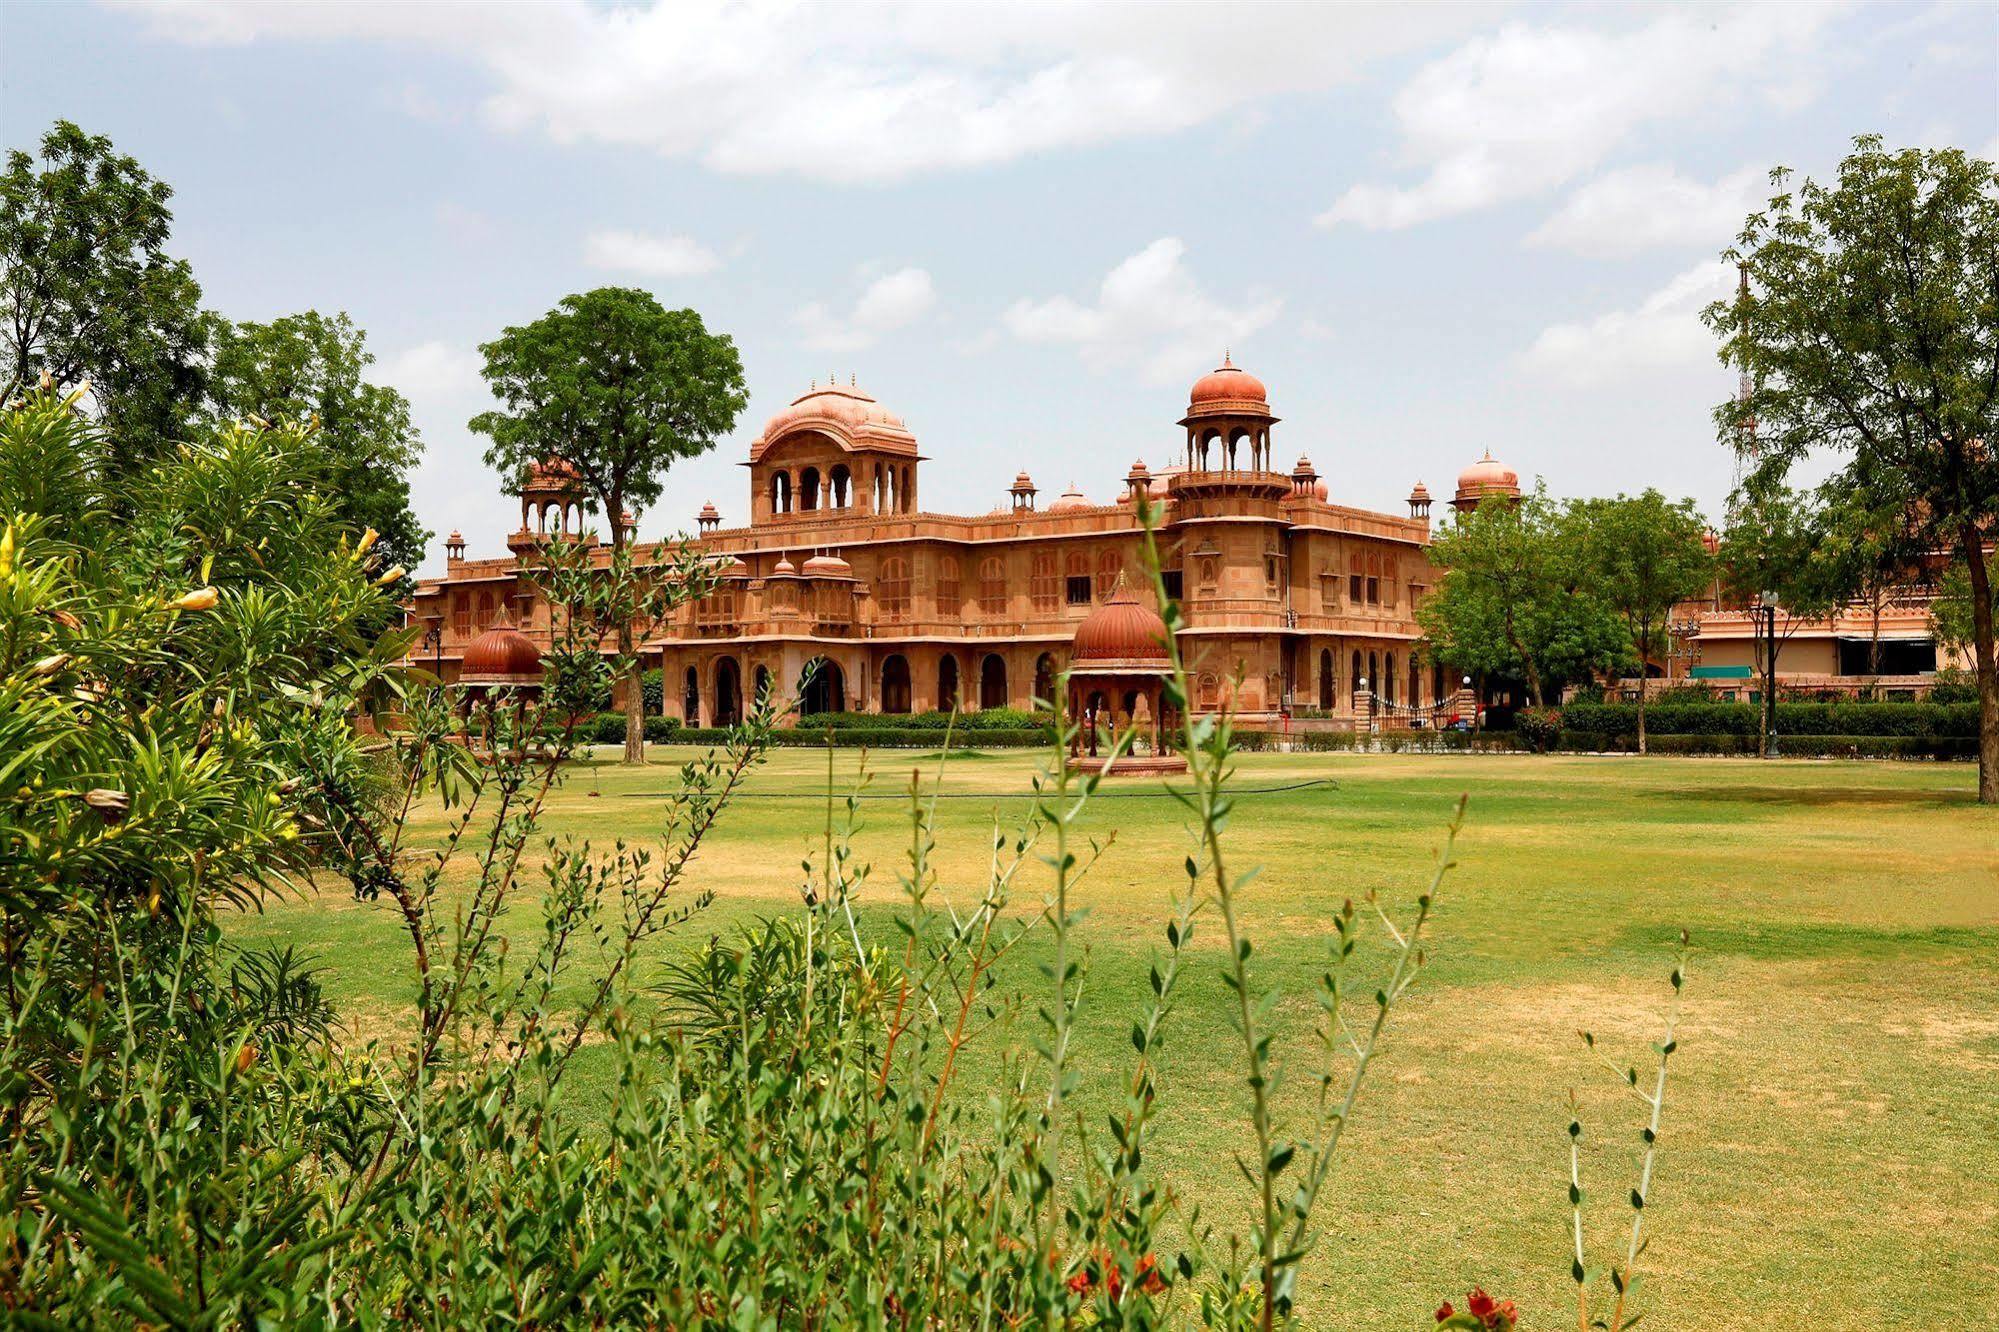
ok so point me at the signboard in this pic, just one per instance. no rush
(1724, 673)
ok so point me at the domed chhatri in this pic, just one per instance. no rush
(501, 658)
(850, 410)
(1122, 632)
(1118, 666)
(1482, 480)
(1228, 385)
(1072, 498)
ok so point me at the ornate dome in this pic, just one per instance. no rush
(1123, 632)
(553, 474)
(827, 566)
(503, 655)
(784, 566)
(1228, 385)
(1071, 498)
(1484, 478)
(843, 409)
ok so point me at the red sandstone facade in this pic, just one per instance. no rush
(1293, 602)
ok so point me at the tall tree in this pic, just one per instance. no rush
(619, 388)
(1513, 600)
(1643, 555)
(1872, 335)
(89, 293)
(1776, 547)
(308, 367)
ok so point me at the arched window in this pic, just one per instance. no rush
(1415, 683)
(1047, 586)
(762, 678)
(992, 588)
(1374, 673)
(1354, 679)
(690, 698)
(1044, 680)
(1327, 685)
(1109, 565)
(950, 592)
(840, 481)
(485, 620)
(808, 490)
(1207, 691)
(780, 492)
(947, 683)
(992, 681)
(1387, 685)
(895, 684)
(892, 589)
(1076, 577)
(461, 614)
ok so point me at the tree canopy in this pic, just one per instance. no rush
(310, 368)
(88, 292)
(1869, 333)
(1514, 597)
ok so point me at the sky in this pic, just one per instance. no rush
(1433, 231)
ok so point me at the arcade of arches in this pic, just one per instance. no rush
(1296, 605)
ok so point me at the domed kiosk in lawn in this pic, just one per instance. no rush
(1118, 668)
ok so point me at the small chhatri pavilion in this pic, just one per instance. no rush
(1118, 668)
(501, 658)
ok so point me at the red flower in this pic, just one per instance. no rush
(1147, 1276)
(1481, 1305)
(1445, 1312)
(1081, 1282)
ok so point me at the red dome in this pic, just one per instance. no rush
(1227, 383)
(1122, 631)
(827, 566)
(503, 655)
(1488, 473)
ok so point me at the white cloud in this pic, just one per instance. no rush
(1149, 312)
(1640, 207)
(851, 92)
(895, 300)
(433, 372)
(1524, 110)
(1663, 332)
(670, 255)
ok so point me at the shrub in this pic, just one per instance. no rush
(652, 692)
(1538, 729)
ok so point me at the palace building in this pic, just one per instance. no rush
(1294, 603)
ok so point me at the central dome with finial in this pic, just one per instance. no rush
(1227, 383)
(846, 411)
(1123, 632)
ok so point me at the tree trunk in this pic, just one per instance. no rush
(635, 726)
(1526, 664)
(1988, 667)
(1645, 638)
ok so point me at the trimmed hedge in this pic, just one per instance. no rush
(1387, 742)
(873, 737)
(1912, 720)
(608, 728)
(1788, 746)
(988, 719)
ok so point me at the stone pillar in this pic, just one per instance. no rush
(1363, 711)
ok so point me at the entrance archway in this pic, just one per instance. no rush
(947, 683)
(728, 692)
(895, 684)
(992, 681)
(690, 697)
(1326, 685)
(1044, 681)
(826, 691)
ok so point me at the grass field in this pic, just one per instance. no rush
(1831, 1147)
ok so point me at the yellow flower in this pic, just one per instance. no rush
(367, 540)
(202, 598)
(7, 553)
(392, 576)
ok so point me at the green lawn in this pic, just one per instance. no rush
(1832, 1135)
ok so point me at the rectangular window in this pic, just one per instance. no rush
(1270, 570)
(1354, 594)
(1079, 589)
(1172, 579)
(1374, 591)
